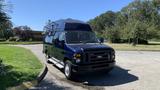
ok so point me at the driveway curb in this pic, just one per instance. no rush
(29, 84)
(42, 73)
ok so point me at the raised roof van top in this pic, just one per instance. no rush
(71, 24)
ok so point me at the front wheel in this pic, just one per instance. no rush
(68, 70)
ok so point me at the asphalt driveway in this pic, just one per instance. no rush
(135, 70)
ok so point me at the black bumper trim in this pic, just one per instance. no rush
(89, 68)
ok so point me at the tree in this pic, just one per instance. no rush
(143, 17)
(136, 23)
(5, 23)
(100, 22)
(113, 34)
(23, 32)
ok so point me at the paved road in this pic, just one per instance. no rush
(136, 70)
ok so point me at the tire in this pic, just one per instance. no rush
(68, 70)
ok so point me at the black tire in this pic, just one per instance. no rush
(68, 70)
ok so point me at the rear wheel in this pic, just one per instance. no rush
(68, 70)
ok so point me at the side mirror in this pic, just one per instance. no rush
(101, 40)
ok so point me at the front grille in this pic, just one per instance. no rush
(98, 58)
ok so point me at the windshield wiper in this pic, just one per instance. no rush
(86, 41)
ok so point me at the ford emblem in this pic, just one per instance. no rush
(99, 56)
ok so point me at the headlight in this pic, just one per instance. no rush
(77, 57)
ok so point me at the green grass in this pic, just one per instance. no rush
(15, 43)
(152, 46)
(21, 65)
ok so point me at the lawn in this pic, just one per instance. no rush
(152, 46)
(15, 43)
(21, 65)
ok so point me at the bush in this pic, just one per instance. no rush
(139, 41)
(14, 39)
(2, 40)
(2, 68)
(11, 39)
(30, 40)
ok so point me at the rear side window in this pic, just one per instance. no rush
(59, 35)
(77, 26)
(48, 39)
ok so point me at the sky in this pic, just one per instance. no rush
(35, 13)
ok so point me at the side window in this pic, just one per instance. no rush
(48, 39)
(56, 35)
(62, 36)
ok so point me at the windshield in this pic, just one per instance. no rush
(80, 37)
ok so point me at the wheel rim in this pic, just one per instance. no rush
(67, 70)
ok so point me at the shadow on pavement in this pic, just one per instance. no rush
(49, 85)
(117, 76)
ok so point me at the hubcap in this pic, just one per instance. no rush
(67, 70)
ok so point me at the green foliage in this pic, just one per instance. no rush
(138, 21)
(14, 39)
(20, 65)
(113, 34)
(106, 19)
(2, 68)
(22, 43)
(5, 23)
(23, 32)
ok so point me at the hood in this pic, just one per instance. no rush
(80, 47)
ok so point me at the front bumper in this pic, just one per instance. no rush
(91, 68)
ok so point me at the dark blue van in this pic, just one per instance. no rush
(73, 46)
